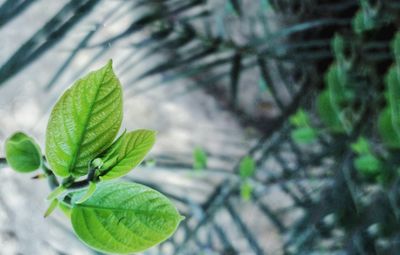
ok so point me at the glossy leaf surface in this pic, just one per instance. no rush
(124, 218)
(84, 122)
(127, 153)
(23, 153)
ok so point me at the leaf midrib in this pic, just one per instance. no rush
(75, 156)
(117, 209)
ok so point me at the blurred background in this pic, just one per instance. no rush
(277, 126)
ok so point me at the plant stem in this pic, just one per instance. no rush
(52, 179)
(78, 185)
(3, 162)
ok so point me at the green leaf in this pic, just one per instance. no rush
(300, 119)
(361, 146)
(368, 165)
(389, 118)
(328, 114)
(339, 93)
(385, 127)
(338, 47)
(56, 192)
(126, 153)
(336, 80)
(89, 192)
(110, 155)
(65, 208)
(393, 85)
(246, 189)
(124, 218)
(84, 122)
(247, 167)
(199, 159)
(23, 153)
(304, 135)
(51, 208)
(362, 22)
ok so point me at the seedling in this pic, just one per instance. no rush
(83, 158)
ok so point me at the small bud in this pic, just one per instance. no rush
(97, 163)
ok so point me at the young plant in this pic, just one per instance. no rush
(303, 132)
(199, 159)
(81, 150)
(247, 167)
(366, 162)
(389, 118)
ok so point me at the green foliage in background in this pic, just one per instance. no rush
(303, 133)
(336, 105)
(389, 119)
(199, 159)
(366, 162)
(247, 168)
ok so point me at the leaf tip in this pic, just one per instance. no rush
(53, 205)
(91, 189)
(109, 63)
(108, 66)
